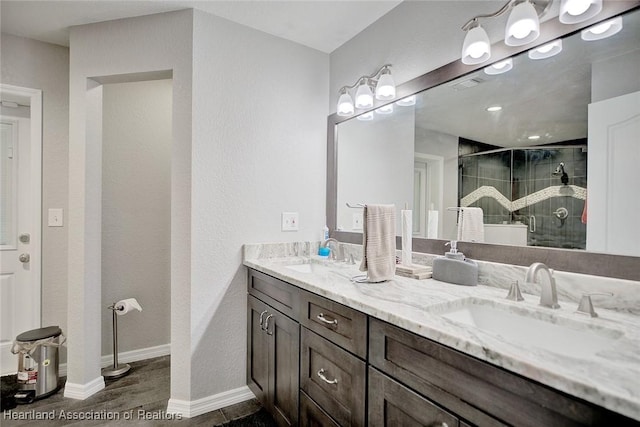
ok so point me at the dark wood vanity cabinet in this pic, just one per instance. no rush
(315, 362)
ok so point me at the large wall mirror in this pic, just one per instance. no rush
(541, 145)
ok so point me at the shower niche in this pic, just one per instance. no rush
(539, 189)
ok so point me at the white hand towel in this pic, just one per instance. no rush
(471, 225)
(126, 305)
(379, 242)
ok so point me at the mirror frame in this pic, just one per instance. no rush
(592, 263)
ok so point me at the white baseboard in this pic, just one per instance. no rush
(190, 409)
(82, 391)
(129, 356)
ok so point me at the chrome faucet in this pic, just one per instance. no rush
(548, 294)
(334, 252)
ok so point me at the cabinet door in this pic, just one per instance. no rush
(257, 349)
(284, 367)
(391, 404)
(311, 415)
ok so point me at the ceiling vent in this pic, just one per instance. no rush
(466, 84)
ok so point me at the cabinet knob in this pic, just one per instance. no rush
(326, 321)
(325, 379)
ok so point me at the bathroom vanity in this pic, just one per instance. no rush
(323, 350)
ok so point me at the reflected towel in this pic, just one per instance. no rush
(471, 225)
(379, 242)
(583, 219)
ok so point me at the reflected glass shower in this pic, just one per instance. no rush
(541, 187)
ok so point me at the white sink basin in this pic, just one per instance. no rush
(532, 328)
(301, 268)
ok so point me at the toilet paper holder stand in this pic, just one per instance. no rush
(117, 370)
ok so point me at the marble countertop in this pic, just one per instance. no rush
(610, 378)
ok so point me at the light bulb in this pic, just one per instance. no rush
(523, 25)
(602, 30)
(386, 88)
(575, 11)
(345, 105)
(364, 96)
(476, 48)
(546, 50)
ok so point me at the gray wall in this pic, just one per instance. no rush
(33, 64)
(136, 211)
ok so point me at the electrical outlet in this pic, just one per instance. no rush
(289, 221)
(357, 221)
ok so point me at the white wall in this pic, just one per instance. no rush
(615, 76)
(136, 211)
(375, 164)
(259, 148)
(144, 44)
(33, 64)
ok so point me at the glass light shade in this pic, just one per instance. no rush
(575, 11)
(546, 50)
(386, 88)
(407, 102)
(366, 116)
(364, 96)
(523, 25)
(345, 105)
(385, 109)
(602, 30)
(499, 67)
(476, 48)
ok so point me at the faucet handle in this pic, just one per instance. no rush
(514, 292)
(586, 305)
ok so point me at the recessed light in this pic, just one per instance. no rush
(534, 137)
(494, 108)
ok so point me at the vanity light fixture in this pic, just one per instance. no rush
(499, 67)
(494, 108)
(476, 47)
(385, 109)
(385, 89)
(575, 11)
(407, 102)
(602, 30)
(523, 25)
(546, 50)
(366, 117)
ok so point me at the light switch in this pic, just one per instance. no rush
(289, 221)
(56, 218)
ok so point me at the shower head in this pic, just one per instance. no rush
(560, 171)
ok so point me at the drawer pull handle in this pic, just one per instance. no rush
(326, 321)
(262, 318)
(266, 324)
(323, 378)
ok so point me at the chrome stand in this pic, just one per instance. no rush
(115, 371)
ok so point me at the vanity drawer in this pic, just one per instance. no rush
(392, 404)
(477, 391)
(336, 322)
(334, 378)
(278, 294)
(311, 415)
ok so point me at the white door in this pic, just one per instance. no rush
(20, 216)
(613, 176)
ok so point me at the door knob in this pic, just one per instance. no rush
(24, 258)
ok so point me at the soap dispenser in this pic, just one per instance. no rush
(454, 268)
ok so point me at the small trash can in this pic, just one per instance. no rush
(38, 363)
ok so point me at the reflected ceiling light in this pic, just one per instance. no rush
(345, 103)
(546, 50)
(407, 102)
(523, 25)
(499, 67)
(494, 108)
(476, 48)
(533, 137)
(385, 89)
(366, 116)
(575, 11)
(385, 109)
(602, 30)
